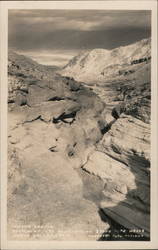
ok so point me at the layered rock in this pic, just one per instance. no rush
(122, 161)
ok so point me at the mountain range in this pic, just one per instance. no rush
(100, 64)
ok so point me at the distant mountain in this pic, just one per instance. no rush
(17, 62)
(100, 63)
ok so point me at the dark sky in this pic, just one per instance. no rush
(54, 36)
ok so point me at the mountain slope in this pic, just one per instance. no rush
(99, 64)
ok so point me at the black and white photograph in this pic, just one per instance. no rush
(79, 125)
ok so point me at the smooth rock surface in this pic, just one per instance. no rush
(50, 135)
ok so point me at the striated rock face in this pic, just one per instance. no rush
(122, 161)
(100, 64)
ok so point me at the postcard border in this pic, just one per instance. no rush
(115, 5)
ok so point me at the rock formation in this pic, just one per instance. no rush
(122, 161)
(53, 126)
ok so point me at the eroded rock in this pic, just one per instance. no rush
(123, 163)
(53, 127)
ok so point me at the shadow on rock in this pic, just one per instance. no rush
(129, 219)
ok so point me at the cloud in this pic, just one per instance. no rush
(62, 31)
(31, 39)
(86, 20)
(50, 57)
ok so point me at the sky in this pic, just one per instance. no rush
(53, 37)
